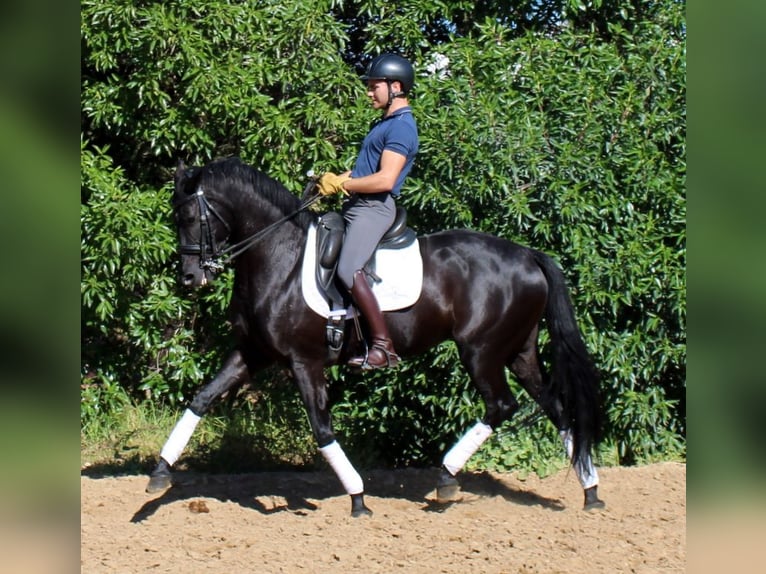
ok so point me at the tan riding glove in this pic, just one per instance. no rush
(331, 183)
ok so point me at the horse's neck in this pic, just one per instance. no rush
(272, 237)
(252, 214)
(258, 219)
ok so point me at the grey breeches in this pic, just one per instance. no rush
(368, 217)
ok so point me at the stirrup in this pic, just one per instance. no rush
(392, 359)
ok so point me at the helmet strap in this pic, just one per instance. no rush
(392, 94)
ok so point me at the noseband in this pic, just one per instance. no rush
(207, 248)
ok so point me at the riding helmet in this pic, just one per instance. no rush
(391, 67)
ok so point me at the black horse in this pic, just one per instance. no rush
(487, 294)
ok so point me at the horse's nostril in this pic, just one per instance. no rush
(188, 280)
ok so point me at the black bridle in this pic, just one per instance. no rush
(211, 255)
(208, 250)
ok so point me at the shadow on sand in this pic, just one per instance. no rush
(293, 490)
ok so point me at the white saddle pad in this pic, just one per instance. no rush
(400, 270)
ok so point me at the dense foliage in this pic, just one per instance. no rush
(558, 124)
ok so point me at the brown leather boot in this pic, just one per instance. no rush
(381, 352)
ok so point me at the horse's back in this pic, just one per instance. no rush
(463, 254)
(474, 284)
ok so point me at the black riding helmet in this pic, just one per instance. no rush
(391, 67)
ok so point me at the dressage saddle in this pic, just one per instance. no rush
(331, 229)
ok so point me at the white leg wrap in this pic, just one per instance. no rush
(586, 472)
(566, 438)
(348, 476)
(180, 436)
(459, 454)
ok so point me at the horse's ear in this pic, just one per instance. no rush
(183, 175)
(180, 172)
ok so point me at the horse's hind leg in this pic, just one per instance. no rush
(488, 376)
(233, 373)
(530, 375)
(528, 371)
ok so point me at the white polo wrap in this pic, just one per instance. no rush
(586, 472)
(348, 476)
(180, 436)
(459, 454)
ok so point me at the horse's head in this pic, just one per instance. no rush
(201, 229)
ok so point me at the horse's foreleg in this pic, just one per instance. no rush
(233, 373)
(348, 476)
(313, 388)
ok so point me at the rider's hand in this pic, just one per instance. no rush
(331, 183)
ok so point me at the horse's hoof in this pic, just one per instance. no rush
(357, 512)
(358, 507)
(158, 484)
(597, 504)
(448, 488)
(592, 501)
(447, 493)
(160, 479)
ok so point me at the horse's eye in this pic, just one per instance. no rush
(183, 218)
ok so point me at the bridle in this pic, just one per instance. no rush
(208, 250)
(214, 257)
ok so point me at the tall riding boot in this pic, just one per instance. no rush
(381, 350)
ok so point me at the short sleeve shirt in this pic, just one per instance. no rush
(398, 133)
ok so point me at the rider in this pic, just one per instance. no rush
(384, 160)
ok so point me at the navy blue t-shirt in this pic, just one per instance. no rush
(398, 133)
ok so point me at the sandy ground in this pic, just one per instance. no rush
(300, 522)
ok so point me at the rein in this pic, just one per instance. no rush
(239, 248)
(218, 258)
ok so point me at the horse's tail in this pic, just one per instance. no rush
(574, 379)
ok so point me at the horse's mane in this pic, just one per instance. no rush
(234, 172)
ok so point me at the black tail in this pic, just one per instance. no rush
(574, 379)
